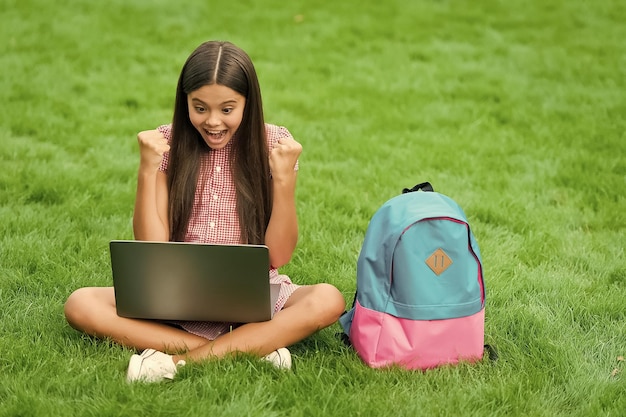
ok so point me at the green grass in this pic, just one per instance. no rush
(514, 109)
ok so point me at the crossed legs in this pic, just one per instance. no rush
(309, 309)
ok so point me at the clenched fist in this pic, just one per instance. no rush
(152, 146)
(283, 158)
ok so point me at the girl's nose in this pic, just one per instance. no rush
(212, 120)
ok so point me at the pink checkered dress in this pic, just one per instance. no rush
(214, 218)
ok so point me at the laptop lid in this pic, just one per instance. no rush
(191, 281)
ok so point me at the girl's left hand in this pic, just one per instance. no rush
(283, 158)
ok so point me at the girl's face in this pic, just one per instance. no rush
(216, 112)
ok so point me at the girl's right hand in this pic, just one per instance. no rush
(152, 146)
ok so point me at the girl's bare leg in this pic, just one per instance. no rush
(92, 310)
(309, 309)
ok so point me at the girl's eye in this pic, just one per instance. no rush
(227, 110)
(200, 109)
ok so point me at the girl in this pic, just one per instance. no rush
(217, 174)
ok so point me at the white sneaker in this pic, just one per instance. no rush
(152, 366)
(280, 358)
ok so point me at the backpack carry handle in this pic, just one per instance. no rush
(424, 186)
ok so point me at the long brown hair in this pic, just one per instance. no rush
(225, 64)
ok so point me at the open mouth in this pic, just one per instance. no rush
(215, 135)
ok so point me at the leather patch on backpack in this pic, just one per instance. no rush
(439, 261)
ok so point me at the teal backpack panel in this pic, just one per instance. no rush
(452, 293)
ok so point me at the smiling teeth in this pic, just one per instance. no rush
(216, 134)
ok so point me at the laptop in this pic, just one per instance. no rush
(191, 281)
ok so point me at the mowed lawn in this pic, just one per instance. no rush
(514, 109)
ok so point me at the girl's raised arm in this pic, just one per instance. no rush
(150, 218)
(282, 231)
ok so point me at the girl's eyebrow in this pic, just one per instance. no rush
(232, 100)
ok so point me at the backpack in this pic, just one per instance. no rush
(420, 297)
